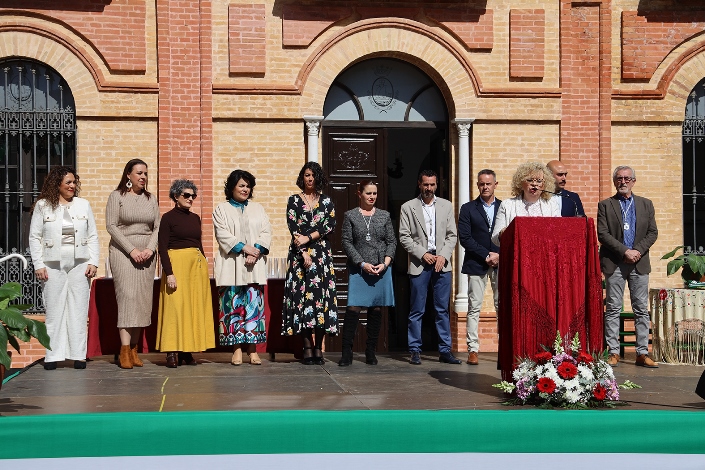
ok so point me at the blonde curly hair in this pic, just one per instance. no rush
(525, 170)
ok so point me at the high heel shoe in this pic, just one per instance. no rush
(254, 357)
(186, 357)
(237, 357)
(318, 357)
(310, 360)
(171, 360)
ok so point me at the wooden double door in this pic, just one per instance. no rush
(392, 157)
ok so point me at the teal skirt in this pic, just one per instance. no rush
(365, 290)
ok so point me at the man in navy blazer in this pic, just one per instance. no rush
(568, 201)
(475, 226)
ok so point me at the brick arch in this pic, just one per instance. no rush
(679, 72)
(396, 38)
(45, 38)
(55, 55)
(690, 71)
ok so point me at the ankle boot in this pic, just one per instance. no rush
(136, 361)
(125, 357)
(374, 323)
(346, 358)
(171, 360)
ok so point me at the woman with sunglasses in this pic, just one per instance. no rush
(532, 185)
(185, 303)
(244, 236)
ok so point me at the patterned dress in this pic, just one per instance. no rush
(309, 294)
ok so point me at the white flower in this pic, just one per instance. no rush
(572, 396)
(585, 373)
(572, 384)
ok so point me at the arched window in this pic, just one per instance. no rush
(694, 170)
(37, 131)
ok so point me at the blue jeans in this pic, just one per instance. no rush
(441, 299)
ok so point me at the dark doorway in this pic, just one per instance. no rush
(392, 154)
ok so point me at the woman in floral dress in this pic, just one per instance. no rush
(310, 305)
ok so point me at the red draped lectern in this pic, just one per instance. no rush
(549, 280)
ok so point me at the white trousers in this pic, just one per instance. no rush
(476, 294)
(66, 294)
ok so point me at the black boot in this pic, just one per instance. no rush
(346, 358)
(352, 314)
(374, 323)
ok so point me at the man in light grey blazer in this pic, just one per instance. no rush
(428, 233)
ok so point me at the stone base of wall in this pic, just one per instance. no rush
(29, 352)
(487, 332)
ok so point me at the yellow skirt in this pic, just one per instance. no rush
(186, 313)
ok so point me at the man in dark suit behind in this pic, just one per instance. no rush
(568, 201)
(626, 229)
(475, 225)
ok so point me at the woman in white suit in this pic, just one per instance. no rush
(63, 242)
(532, 185)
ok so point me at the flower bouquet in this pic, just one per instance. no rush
(565, 378)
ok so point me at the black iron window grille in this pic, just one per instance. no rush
(694, 170)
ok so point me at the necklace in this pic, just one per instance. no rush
(368, 237)
(309, 203)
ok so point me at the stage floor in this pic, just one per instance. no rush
(286, 384)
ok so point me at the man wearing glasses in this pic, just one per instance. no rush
(568, 201)
(626, 229)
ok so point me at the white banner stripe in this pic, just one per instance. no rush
(466, 461)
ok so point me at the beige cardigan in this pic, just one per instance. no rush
(233, 226)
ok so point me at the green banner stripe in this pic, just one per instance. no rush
(220, 432)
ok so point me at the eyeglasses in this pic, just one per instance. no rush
(534, 181)
(188, 195)
(626, 179)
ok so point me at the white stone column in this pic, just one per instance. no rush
(464, 182)
(313, 123)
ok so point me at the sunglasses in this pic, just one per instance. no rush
(188, 195)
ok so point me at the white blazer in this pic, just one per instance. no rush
(233, 226)
(512, 207)
(45, 232)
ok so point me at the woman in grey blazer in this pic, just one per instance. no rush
(369, 241)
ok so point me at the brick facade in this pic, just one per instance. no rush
(198, 88)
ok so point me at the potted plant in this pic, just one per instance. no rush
(15, 326)
(692, 264)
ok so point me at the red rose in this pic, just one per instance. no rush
(599, 392)
(542, 357)
(662, 294)
(567, 370)
(546, 385)
(584, 358)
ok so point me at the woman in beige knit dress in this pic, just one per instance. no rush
(132, 220)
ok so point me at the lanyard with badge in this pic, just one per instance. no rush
(625, 212)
